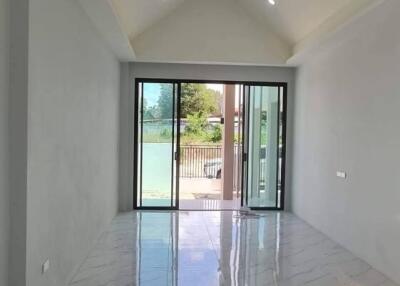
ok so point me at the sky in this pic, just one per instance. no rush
(151, 92)
(216, 87)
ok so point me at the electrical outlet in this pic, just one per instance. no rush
(45, 266)
(341, 174)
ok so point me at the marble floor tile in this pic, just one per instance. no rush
(220, 248)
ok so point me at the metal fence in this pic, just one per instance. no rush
(200, 161)
(205, 161)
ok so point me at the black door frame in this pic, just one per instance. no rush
(281, 152)
(175, 155)
(245, 130)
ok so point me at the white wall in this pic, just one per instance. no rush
(185, 71)
(18, 103)
(206, 31)
(4, 139)
(347, 118)
(72, 139)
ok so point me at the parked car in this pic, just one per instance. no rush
(212, 168)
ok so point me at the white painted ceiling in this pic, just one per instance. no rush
(216, 31)
(292, 26)
(138, 15)
(293, 20)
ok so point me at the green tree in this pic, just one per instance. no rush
(198, 98)
(165, 101)
(196, 124)
(148, 112)
(215, 135)
(194, 98)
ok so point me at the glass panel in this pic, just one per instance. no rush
(238, 139)
(175, 179)
(245, 118)
(281, 141)
(139, 141)
(263, 146)
(156, 148)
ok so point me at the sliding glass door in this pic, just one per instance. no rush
(157, 141)
(261, 138)
(264, 146)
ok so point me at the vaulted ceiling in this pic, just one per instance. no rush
(293, 20)
(224, 31)
(138, 15)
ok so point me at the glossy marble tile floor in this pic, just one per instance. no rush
(209, 205)
(220, 248)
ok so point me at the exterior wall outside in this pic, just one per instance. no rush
(228, 143)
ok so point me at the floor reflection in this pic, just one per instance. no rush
(220, 248)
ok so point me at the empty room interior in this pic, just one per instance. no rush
(199, 142)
